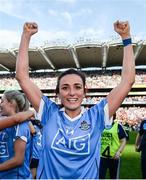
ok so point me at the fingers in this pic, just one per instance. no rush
(122, 28)
(117, 155)
(30, 26)
(31, 113)
(121, 24)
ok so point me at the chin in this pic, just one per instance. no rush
(73, 108)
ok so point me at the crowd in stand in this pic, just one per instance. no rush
(46, 80)
(131, 116)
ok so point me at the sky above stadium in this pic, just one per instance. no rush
(69, 20)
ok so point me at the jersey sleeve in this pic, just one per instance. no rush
(121, 132)
(45, 109)
(107, 120)
(99, 113)
(103, 108)
(141, 130)
(23, 131)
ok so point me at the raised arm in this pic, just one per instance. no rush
(15, 119)
(32, 92)
(117, 95)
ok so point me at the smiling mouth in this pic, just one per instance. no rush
(72, 100)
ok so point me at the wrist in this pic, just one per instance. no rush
(125, 36)
(26, 36)
(127, 42)
(117, 155)
(118, 152)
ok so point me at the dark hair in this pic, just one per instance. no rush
(70, 71)
(22, 103)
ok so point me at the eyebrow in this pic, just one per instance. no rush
(76, 84)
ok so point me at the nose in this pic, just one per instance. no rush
(71, 92)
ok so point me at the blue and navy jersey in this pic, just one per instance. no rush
(70, 149)
(142, 132)
(142, 129)
(23, 132)
(121, 132)
(7, 137)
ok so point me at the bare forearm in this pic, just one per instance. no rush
(18, 159)
(23, 116)
(32, 92)
(128, 70)
(15, 119)
(22, 66)
(122, 146)
(12, 163)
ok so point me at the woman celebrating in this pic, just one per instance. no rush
(71, 135)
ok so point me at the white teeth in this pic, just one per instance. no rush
(72, 100)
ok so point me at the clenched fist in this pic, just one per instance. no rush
(30, 28)
(122, 28)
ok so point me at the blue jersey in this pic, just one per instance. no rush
(23, 132)
(71, 149)
(37, 143)
(7, 137)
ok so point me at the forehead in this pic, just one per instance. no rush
(71, 79)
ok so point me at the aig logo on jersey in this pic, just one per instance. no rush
(79, 145)
(3, 150)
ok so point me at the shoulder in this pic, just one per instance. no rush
(23, 128)
(120, 126)
(143, 121)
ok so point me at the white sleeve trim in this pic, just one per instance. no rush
(24, 138)
(39, 114)
(21, 137)
(108, 121)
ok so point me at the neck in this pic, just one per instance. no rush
(73, 113)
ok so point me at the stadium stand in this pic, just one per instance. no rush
(100, 61)
(80, 55)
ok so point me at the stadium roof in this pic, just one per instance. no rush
(81, 55)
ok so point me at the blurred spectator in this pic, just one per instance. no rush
(140, 145)
(113, 141)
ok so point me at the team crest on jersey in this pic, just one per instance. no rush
(79, 145)
(85, 126)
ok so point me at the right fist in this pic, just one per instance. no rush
(30, 28)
